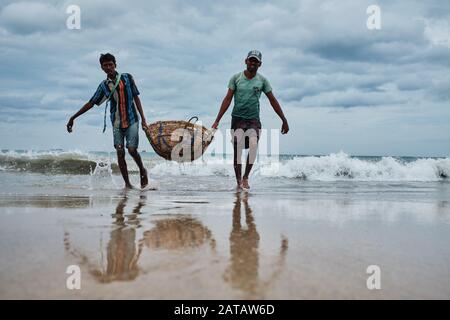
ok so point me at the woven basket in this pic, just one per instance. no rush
(181, 141)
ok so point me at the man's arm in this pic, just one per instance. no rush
(224, 107)
(141, 112)
(83, 109)
(277, 108)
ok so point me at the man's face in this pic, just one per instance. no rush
(109, 67)
(252, 64)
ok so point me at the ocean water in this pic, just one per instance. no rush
(308, 228)
(334, 175)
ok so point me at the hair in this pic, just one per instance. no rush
(106, 57)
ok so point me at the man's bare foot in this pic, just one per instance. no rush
(245, 184)
(239, 185)
(144, 179)
(128, 186)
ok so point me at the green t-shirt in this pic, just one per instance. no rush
(247, 93)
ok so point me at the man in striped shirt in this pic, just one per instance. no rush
(124, 108)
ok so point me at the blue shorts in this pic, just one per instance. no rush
(131, 134)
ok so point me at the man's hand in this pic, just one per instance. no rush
(284, 127)
(144, 125)
(215, 125)
(70, 125)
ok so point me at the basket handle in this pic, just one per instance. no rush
(196, 119)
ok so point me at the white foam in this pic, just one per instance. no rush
(102, 176)
(333, 167)
(206, 167)
(340, 166)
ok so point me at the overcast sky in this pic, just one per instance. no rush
(341, 85)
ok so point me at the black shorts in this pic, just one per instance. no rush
(245, 125)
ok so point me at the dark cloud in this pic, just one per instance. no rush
(315, 53)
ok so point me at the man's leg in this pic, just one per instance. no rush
(119, 137)
(132, 136)
(137, 158)
(123, 165)
(238, 146)
(251, 157)
(237, 162)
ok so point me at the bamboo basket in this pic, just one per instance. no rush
(181, 141)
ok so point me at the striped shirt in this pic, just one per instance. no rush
(121, 101)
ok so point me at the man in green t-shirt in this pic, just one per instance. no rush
(246, 87)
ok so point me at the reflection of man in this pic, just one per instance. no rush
(123, 251)
(244, 243)
(122, 254)
(243, 271)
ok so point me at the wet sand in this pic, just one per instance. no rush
(222, 245)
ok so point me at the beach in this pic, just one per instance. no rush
(308, 228)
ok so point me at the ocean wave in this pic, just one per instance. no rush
(334, 167)
(340, 166)
(51, 162)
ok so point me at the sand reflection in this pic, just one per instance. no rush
(243, 270)
(125, 247)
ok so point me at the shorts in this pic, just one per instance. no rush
(250, 128)
(131, 134)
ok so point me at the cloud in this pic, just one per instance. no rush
(353, 98)
(318, 55)
(30, 17)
